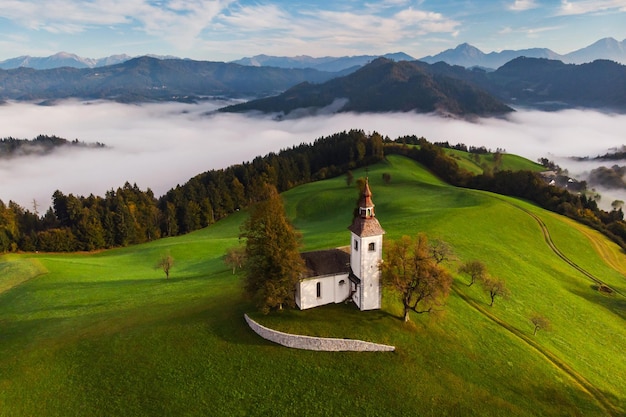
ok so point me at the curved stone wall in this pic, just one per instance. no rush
(315, 343)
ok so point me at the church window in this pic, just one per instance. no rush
(319, 290)
(372, 247)
(342, 282)
(356, 244)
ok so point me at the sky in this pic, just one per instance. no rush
(161, 145)
(224, 30)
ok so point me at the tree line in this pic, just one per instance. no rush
(130, 215)
(527, 185)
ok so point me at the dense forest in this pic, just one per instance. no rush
(130, 215)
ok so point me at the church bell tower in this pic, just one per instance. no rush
(366, 251)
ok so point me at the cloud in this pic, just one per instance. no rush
(521, 5)
(162, 145)
(591, 6)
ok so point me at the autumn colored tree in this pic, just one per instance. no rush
(273, 262)
(476, 270)
(495, 287)
(235, 257)
(413, 273)
(540, 322)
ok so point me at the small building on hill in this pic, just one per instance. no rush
(350, 274)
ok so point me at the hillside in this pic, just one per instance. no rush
(382, 86)
(547, 84)
(151, 79)
(106, 334)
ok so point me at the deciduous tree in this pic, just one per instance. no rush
(166, 263)
(413, 273)
(476, 270)
(235, 257)
(495, 287)
(273, 262)
(540, 322)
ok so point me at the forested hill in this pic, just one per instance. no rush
(41, 145)
(384, 86)
(129, 215)
(150, 79)
(548, 84)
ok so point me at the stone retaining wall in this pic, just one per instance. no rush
(315, 343)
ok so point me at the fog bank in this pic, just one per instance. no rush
(159, 146)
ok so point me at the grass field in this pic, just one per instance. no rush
(106, 334)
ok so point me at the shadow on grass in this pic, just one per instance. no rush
(615, 303)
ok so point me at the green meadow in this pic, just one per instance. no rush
(105, 334)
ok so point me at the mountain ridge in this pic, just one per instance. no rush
(467, 55)
(382, 86)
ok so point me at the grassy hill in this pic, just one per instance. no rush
(106, 333)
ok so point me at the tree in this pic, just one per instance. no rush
(273, 262)
(476, 270)
(413, 273)
(166, 262)
(495, 287)
(349, 178)
(540, 322)
(235, 257)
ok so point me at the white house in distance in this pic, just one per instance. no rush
(337, 275)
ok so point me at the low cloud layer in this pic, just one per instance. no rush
(162, 145)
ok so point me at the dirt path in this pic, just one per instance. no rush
(580, 380)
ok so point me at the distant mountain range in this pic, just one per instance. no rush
(464, 54)
(328, 63)
(467, 55)
(382, 86)
(150, 79)
(64, 59)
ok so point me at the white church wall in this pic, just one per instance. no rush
(330, 291)
(370, 274)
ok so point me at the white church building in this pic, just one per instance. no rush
(337, 275)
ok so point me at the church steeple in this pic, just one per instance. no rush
(365, 223)
(366, 205)
(366, 253)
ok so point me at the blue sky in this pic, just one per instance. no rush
(225, 30)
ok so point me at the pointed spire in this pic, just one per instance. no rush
(366, 205)
(366, 224)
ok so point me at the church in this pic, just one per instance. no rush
(338, 275)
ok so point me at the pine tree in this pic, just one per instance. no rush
(273, 262)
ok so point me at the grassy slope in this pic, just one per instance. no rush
(509, 162)
(106, 334)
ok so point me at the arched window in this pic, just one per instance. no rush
(356, 244)
(319, 290)
(372, 247)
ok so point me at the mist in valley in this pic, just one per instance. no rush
(158, 146)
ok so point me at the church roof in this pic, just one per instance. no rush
(326, 262)
(366, 227)
(366, 197)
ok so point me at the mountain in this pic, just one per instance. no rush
(382, 86)
(148, 79)
(543, 82)
(61, 59)
(607, 48)
(469, 56)
(328, 63)
(548, 84)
